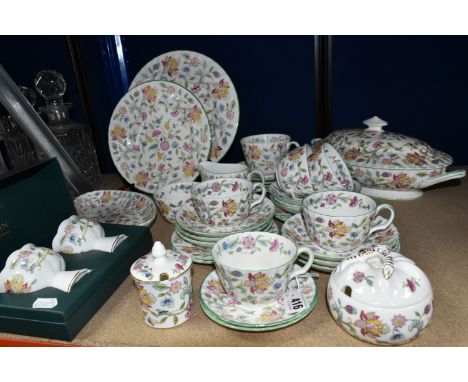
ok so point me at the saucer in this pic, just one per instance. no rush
(204, 240)
(116, 207)
(188, 219)
(200, 255)
(221, 308)
(295, 230)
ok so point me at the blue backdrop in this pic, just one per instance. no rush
(417, 83)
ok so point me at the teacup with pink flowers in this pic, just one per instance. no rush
(255, 268)
(225, 202)
(340, 221)
(262, 152)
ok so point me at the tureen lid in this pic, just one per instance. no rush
(160, 265)
(374, 147)
(381, 278)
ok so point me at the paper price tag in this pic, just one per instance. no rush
(295, 302)
(45, 303)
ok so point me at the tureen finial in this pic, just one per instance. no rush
(375, 123)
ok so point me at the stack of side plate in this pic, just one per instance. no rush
(326, 261)
(196, 238)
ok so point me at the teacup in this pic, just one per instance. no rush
(171, 197)
(224, 202)
(341, 221)
(76, 235)
(212, 170)
(327, 170)
(32, 268)
(255, 268)
(292, 173)
(263, 151)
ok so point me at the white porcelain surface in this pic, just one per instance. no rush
(158, 134)
(76, 235)
(380, 297)
(116, 207)
(207, 81)
(341, 221)
(32, 268)
(164, 286)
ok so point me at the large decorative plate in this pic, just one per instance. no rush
(116, 207)
(158, 133)
(209, 82)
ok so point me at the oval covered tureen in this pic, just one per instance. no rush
(391, 165)
(380, 297)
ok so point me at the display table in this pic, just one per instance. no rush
(433, 232)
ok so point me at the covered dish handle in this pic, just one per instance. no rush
(381, 251)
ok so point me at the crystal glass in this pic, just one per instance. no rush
(15, 146)
(75, 137)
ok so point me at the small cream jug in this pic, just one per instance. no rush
(164, 284)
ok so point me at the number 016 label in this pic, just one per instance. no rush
(295, 302)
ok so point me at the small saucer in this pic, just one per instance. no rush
(200, 255)
(188, 219)
(223, 309)
(295, 230)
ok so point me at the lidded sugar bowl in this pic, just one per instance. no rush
(380, 297)
(391, 165)
(164, 282)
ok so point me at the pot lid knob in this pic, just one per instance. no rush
(159, 250)
(375, 124)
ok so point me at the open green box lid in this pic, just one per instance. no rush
(33, 202)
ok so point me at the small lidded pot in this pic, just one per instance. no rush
(164, 285)
(380, 297)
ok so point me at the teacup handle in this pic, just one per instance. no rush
(306, 267)
(255, 187)
(292, 143)
(385, 225)
(258, 173)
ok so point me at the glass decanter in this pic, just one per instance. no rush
(15, 145)
(76, 138)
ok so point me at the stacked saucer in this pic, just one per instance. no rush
(196, 238)
(286, 206)
(326, 261)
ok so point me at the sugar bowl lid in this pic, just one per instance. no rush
(381, 278)
(375, 147)
(160, 265)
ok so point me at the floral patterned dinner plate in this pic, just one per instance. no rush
(188, 219)
(295, 230)
(211, 85)
(158, 133)
(116, 207)
(223, 309)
